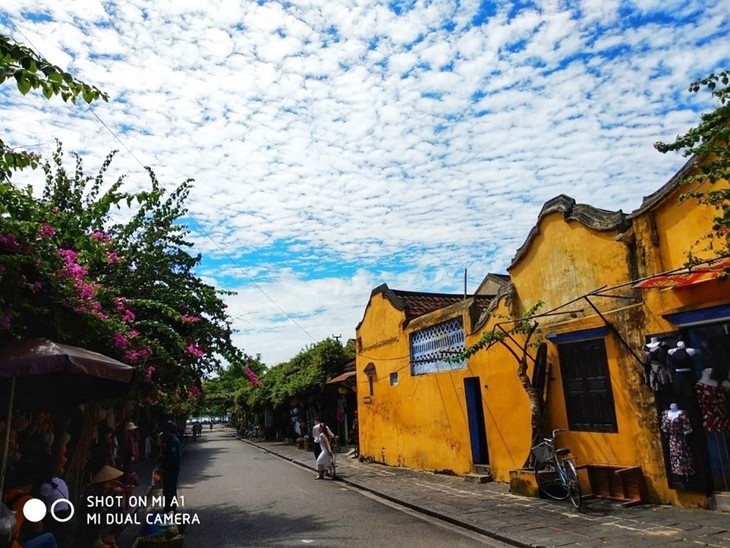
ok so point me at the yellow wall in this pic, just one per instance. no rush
(567, 260)
(421, 422)
(506, 405)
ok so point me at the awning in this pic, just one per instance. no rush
(342, 378)
(698, 274)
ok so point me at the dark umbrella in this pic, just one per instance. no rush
(39, 372)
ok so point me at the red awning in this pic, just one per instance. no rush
(698, 274)
(342, 378)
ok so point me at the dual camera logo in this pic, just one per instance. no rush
(34, 510)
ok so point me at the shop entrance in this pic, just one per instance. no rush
(688, 372)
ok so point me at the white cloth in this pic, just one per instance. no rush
(53, 491)
(317, 430)
(324, 460)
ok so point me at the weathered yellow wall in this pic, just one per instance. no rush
(420, 423)
(566, 260)
(506, 406)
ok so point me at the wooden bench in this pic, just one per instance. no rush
(624, 484)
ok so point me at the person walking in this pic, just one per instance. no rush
(324, 460)
(169, 465)
(129, 449)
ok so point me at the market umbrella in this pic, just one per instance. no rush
(39, 372)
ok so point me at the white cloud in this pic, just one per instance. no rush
(385, 144)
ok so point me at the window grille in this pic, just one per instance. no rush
(432, 346)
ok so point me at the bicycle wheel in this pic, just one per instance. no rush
(571, 476)
(333, 468)
(549, 481)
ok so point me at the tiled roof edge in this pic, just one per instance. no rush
(657, 197)
(507, 290)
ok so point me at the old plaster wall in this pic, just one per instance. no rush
(421, 421)
(575, 259)
(505, 402)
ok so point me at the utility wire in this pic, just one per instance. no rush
(192, 218)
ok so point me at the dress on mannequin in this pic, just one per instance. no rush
(713, 403)
(657, 371)
(713, 406)
(676, 425)
(680, 359)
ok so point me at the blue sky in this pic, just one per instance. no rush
(338, 145)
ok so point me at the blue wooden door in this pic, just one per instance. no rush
(475, 414)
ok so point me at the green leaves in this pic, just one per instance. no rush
(709, 142)
(33, 72)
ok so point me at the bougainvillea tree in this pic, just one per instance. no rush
(69, 271)
(72, 272)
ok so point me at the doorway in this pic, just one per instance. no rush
(475, 415)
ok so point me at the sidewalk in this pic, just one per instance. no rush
(490, 509)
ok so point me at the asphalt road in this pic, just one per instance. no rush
(246, 497)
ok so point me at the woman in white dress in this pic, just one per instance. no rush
(324, 460)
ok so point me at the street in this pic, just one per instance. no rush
(246, 497)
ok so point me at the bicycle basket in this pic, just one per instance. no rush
(542, 452)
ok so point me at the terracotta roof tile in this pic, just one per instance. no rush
(416, 303)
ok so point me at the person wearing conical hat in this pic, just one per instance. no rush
(95, 533)
(129, 449)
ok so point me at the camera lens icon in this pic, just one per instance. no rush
(34, 510)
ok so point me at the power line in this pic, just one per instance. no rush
(190, 216)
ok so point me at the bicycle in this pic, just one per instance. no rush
(555, 472)
(332, 470)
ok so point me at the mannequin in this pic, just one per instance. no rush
(673, 411)
(676, 425)
(713, 406)
(713, 403)
(658, 375)
(680, 359)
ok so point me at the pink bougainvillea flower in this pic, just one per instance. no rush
(194, 350)
(8, 242)
(46, 231)
(139, 355)
(128, 316)
(112, 257)
(119, 340)
(69, 255)
(195, 392)
(100, 236)
(189, 318)
(150, 371)
(252, 377)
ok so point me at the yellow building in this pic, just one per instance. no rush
(612, 285)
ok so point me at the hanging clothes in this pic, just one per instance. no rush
(713, 404)
(658, 372)
(681, 461)
(683, 372)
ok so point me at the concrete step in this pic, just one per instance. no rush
(478, 478)
(485, 469)
(720, 501)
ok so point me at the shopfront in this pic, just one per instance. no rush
(688, 371)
